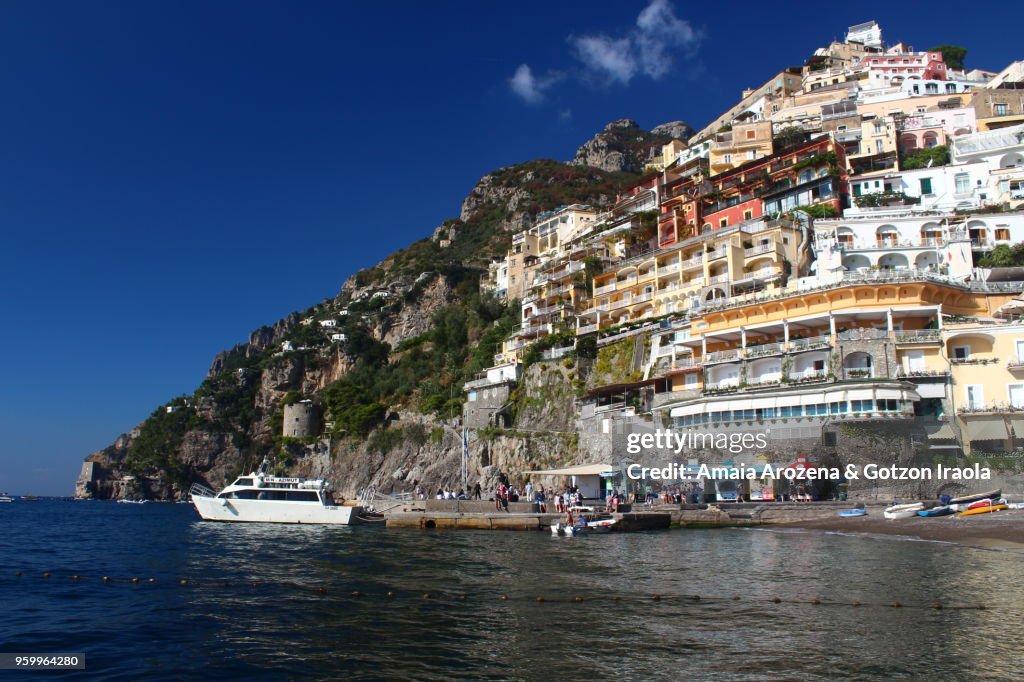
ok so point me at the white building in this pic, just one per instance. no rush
(868, 34)
(1002, 153)
(327, 324)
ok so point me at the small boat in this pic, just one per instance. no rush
(29, 498)
(903, 511)
(582, 527)
(983, 510)
(967, 499)
(132, 501)
(937, 511)
(983, 503)
(6, 498)
(848, 513)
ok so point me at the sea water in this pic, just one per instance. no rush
(265, 601)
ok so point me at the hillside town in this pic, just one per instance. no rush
(830, 249)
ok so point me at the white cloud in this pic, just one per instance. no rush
(648, 48)
(613, 58)
(528, 86)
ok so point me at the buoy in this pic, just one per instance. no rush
(357, 593)
(504, 597)
(46, 574)
(390, 595)
(815, 601)
(579, 598)
(135, 580)
(152, 580)
(426, 595)
(856, 603)
(106, 578)
(74, 577)
(183, 582)
(540, 598)
(17, 573)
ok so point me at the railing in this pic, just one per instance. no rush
(863, 334)
(555, 353)
(200, 490)
(920, 373)
(989, 408)
(982, 243)
(668, 269)
(717, 253)
(586, 329)
(763, 349)
(809, 343)
(718, 279)
(759, 249)
(722, 356)
(1017, 364)
(973, 361)
(809, 377)
(919, 336)
(626, 281)
(695, 262)
(607, 288)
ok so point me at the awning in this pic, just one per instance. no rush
(687, 410)
(813, 399)
(891, 394)
(578, 470)
(865, 394)
(990, 428)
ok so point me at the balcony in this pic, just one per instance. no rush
(606, 289)
(989, 408)
(668, 269)
(759, 249)
(694, 263)
(863, 334)
(717, 356)
(763, 350)
(973, 361)
(812, 343)
(586, 329)
(921, 373)
(720, 252)
(1015, 365)
(809, 377)
(919, 336)
(718, 279)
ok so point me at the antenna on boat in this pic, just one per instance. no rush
(264, 466)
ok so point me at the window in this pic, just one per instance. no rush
(856, 190)
(999, 109)
(727, 158)
(963, 183)
(926, 186)
(975, 395)
(1002, 234)
(751, 134)
(830, 439)
(950, 88)
(724, 222)
(961, 352)
(1016, 394)
(879, 146)
(931, 88)
(747, 215)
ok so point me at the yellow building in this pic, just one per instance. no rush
(986, 362)
(745, 142)
(737, 261)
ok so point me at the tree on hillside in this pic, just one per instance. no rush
(937, 156)
(953, 55)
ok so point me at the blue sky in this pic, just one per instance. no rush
(175, 174)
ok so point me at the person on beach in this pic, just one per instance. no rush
(528, 491)
(476, 491)
(499, 493)
(541, 499)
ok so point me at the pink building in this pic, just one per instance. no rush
(892, 68)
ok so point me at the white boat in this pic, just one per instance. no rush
(6, 498)
(903, 511)
(261, 498)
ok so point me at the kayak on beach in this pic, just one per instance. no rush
(937, 511)
(968, 499)
(983, 510)
(853, 512)
(903, 511)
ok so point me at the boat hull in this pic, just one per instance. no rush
(937, 511)
(273, 511)
(983, 510)
(967, 499)
(850, 513)
(903, 511)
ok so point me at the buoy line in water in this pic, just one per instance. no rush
(406, 594)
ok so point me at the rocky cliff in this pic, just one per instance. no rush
(383, 361)
(624, 147)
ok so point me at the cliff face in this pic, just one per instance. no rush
(623, 147)
(383, 362)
